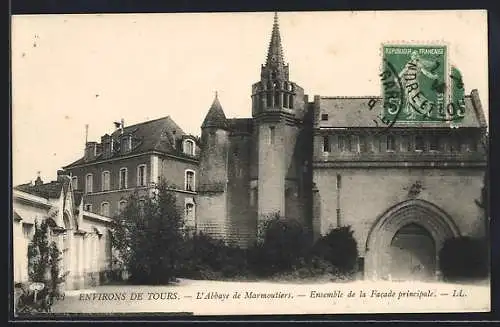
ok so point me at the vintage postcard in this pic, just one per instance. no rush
(250, 163)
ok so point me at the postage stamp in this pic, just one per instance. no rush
(417, 85)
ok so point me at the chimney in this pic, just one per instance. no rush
(90, 151)
(38, 180)
(107, 144)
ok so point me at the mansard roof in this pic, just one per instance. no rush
(154, 135)
(215, 116)
(351, 112)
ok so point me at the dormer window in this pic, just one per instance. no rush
(126, 144)
(189, 147)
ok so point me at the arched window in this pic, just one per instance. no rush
(121, 205)
(285, 101)
(141, 175)
(189, 182)
(290, 101)
(189, 147)
(190, 213)
(105, 209)
(89, 183)
(106, 181)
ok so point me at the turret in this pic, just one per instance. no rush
(213, 171)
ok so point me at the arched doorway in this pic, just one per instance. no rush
(412, 254)
(404, 242)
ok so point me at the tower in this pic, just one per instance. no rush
(278, 107)
(213, 173)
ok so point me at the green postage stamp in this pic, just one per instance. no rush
(418, 85)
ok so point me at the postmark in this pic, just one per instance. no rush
(418, 85)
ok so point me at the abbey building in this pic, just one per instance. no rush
(320, 160)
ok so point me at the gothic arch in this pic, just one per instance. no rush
(436, 221)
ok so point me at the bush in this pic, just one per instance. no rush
(283, 244)
(464, 258)
(339, 248)
(209, 258)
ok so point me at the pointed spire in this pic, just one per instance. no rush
(215, 116)
(275, 51)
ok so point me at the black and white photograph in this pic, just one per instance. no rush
(250, 163)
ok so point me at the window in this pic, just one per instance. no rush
(272, 134)
(123, 178)
(105, 209)
(189, 181)
(27, 231)
(434, 143)
(362, 144)
(324, 117)
(87, 207)
(277, 101)
(290, 101)
(190, 218)
(419, 143)
(326, 143)
(391, 144)
(126, 143)
(355, 143)
(472, 145)
(89, 179)
(141, 175)
(189, 147)
(74, 182)
(344, 143)
(455, 143)
(269, 99)
(106, 181)
(121, 205)
(405, 143)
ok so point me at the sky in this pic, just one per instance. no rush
(72, 70)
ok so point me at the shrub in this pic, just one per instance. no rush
(208, 258)
(464, 258)
(283, 244)
(338, 247)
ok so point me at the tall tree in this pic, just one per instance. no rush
(149, 235)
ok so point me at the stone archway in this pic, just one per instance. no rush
(410, 233)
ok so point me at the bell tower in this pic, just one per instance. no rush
(277, 108)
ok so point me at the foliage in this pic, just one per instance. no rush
(339, 248)
(150, 237)
(282, 244)
(44, 260)
(208, 258)
(464, 258)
